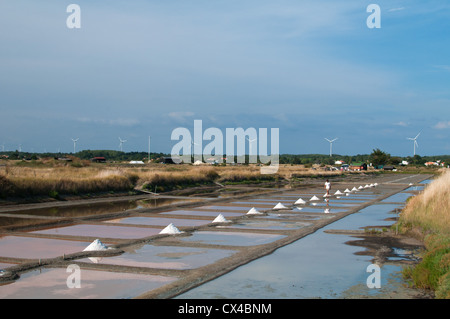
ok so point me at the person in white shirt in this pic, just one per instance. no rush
(327, 187)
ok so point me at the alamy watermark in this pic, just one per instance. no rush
(373, 280)
(73, 21)
(74, 279)
(374, 19)
(190, 148)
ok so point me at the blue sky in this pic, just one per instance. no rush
(140, 68)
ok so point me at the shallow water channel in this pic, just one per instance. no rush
(320, 265)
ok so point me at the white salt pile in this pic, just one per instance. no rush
(300, 201)
(170, 229)
(314, 198)
(253, 211)
(96, 245)
(338, 192)
(354, 189)
(347, 191)
(280, 206)
(220, 219)
(360, 187)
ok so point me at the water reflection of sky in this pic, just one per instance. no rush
(319, 265)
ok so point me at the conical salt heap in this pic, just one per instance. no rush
(314, 198)
(170, 229)
(280, 206)
(220, 219)
(96, 245)
(360, 187)
(338, 192)
(300, 201)
(354, 189)
(253, 211)
(347, 191)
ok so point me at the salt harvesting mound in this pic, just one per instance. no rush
(314, 198)
(300, 201)
(96, 245)
(170, 229)
(220, 219)
(280, 206)
(253, 211)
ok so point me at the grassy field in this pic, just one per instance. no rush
(54, 178)
(427, 216)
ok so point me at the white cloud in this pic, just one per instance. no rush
(114, 122)
(442, 125)
(396, 9)
(180, 116)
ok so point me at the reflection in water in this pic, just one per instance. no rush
(87, 210)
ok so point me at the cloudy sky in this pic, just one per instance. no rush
(141, 68)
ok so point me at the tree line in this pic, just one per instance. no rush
(377, 157)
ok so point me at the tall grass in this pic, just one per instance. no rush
(428, 216)
(50, 177)
(430, 211)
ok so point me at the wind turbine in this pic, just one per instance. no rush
(415, 142)
(74, 144)
(121, 144)
(331, 145)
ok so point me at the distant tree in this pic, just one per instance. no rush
(378, 157)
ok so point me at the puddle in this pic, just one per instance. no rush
(288, 216)
(101, 231)
(35, 248)
(99, 208)
(273, 225)
(165, 257)
(155, 221)
(241, 208)
(94, 284)
(202, 213)
(233, 239)
(18, 221)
